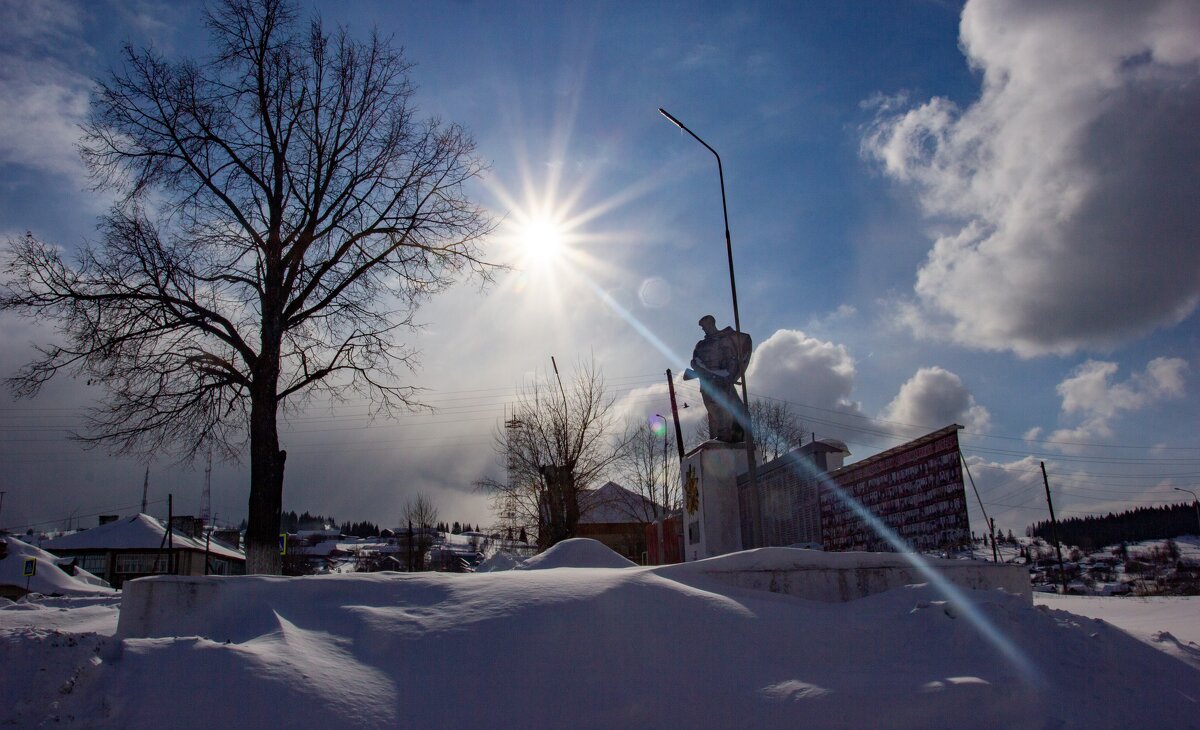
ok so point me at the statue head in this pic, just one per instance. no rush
(708, 323)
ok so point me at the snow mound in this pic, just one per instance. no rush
(381, 649)
(500, 561)
(49, 580)
(578, 552)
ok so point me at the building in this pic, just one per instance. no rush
(618, 518)
(139, 546)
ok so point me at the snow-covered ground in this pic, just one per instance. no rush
(1171, 624)
(574, 646)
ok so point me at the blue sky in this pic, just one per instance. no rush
(981, 214)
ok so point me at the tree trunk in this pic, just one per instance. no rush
(266, 459)
(266, 489)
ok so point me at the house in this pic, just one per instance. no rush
(139, 546)
(617, 517)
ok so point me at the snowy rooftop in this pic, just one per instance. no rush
(614, 503)
(132, 533)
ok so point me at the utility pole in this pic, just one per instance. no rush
(990, 522)
(171, 532)
(145, 488)
(560, 385)
(1062, 573)
(206, 498)
(675, 417)
(2, 493)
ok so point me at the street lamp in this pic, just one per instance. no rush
(737, 327)
(1196, 501)
(666, 476)
(729, 244)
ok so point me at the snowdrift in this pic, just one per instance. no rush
(606, 647)
(497, 562)
(578, 552)
(49, 580)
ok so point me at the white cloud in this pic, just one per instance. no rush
(43, 91)
(1072, 177)
(1089, 394)
(819, 375)
(935, 397)
(842, 314)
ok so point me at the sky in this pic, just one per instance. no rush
(983, 214)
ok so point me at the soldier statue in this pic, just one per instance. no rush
(718, 361)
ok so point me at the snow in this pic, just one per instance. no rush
(139, 531)
(1171, 624)
(583, 646)
(500, 560)
(578, 552)
(49, 579)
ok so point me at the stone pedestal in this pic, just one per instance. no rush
(712, 522)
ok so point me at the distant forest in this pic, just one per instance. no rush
(1144, 523)
(292, 522)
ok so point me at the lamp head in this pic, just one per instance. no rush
(670, 118)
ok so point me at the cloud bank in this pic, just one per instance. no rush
(1070, 182)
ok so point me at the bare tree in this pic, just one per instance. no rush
(649, 467)
(777, 428)
(420, 516)
(559, 443)
(282, 213)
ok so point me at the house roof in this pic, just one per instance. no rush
(140, 532)
(613, 503)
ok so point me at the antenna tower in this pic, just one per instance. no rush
(206, 498)
(511, 426)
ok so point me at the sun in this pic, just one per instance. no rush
(542, 242)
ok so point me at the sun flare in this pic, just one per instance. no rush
(542, 242)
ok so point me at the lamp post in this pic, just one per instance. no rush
(666, 476)
(755, 519)
(1196, 502)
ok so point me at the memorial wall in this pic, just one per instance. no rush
(916, 489)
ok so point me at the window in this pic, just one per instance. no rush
(142, 563)
(94, 564)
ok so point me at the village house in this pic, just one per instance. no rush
(138, 546)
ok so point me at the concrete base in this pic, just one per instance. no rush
(841, 577)
(715, 526)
